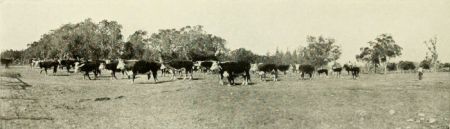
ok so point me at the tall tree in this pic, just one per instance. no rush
(431, 45)
(385, 47)
(320, 51)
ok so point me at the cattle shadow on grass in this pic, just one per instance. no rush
(152, 82)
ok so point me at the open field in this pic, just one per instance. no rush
(371, 102)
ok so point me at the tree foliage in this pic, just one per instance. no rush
(320, 51)
(431, 45)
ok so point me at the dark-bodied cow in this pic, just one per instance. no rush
(337, 70)
(6, 61)
(283, 68)
(177, 65)
(347, 68)
(355, 71)
(204, 66)
(126, 66)
(272, 69)
(67, 63)
(146, 67)
(231, 70)
(111, 66)
(322, 71)
(44, 65)
(306, 69)
(87, 67)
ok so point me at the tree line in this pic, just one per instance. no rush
(104, 40)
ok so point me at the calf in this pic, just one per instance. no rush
(231, 70)
(322, 71)
(87, 67)
(44, 65)
(268, 68)
(306, 69)
(146, 67)
(178, 65)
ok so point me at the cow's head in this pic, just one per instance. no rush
(215, 66)
(78, 66)
(102, 66)
(163, 66)
(121, 64)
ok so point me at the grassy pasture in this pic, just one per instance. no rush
(373, 101)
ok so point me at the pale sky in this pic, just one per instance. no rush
(258, 25)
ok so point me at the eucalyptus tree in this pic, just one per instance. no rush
(385, 48)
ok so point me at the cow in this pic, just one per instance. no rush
(111, 66)
(126, 66)
(268, 68)
(178, 65)
(6, 61)
(322, 71)
(306, 69)
(337, 70)
(146, 67)
(294, 68)
(87, 67)
(204, 66)
(254, 67)
(44, 65)
(67, 63)
(231, 70)
(283, 68)
(355, 71)
(347, 68)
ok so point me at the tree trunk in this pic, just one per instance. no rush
(385, 65)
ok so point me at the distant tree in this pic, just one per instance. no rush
(392, 66)
(189, 43)
(127, 51)
(431, 45)
(425, 64)
(242, 54)
(386, 48)
(320, 51)
(370, 57)
(406, 65)
(139, 41)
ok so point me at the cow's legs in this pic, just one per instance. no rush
(133, 76)
(221, 78)
(87, 74)
(155, 75)
(173, 74)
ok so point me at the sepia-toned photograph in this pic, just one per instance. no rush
(225, 64)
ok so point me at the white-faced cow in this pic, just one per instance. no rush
(87, 67)
(126, 66)
(231, 70)
(263, 69)
(178, 65)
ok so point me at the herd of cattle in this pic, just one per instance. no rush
(228, 70)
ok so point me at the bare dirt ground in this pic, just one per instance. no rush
(65, 100)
